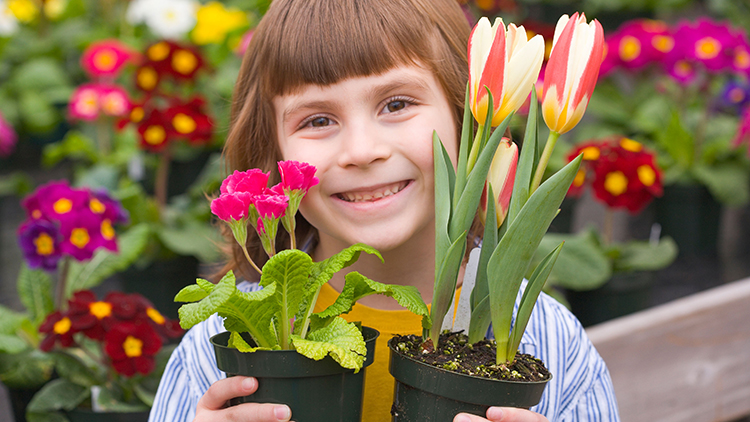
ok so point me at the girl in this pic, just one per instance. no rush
(356, 88)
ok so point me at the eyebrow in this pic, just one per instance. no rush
(380, 90)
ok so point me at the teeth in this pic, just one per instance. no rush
(370, 196)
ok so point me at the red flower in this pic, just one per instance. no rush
(58, 328)
(154, 132)
(89, 315)
(131, 347)
(173, 59)
(106, 58)
(190, 122)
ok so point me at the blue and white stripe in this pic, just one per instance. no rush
(580, 389)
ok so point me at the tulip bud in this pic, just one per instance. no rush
(501, 176)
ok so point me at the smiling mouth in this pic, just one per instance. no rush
(374, 194)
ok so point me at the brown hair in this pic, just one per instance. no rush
(322, 42)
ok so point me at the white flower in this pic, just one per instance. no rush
(8, 21)
(165, 18)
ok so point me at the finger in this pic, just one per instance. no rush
(225, 389)
(257, 412)
(512, 414)
(465, 417)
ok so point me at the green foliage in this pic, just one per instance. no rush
(35, 291)
(291, 282)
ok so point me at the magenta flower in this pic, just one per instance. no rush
(706, 42)
(682, 71)
(271, 206)
(741, 54)
(232, 206)
(252, 181)
(244, 43)
(102, 204)
(106, 58)
(92, 99)
(82, 234)
(641, 42)
(60, 200)
(40, 244)
(743, 132)
(114, 101)
(8, 138)
(297, 176)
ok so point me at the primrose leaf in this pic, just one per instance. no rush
(322, 271)
(239, 343)
(191, 293)
(358, 286)
(341, 339)
(252, 312)
(59, 394)
(193, 313)
(35, 291)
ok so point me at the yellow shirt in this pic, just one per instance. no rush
(378, 381)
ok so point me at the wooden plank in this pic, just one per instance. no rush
(687, 360)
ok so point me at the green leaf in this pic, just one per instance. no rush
(340, 339)
(58, 394)
(582, 264)
(528, 300)
(467, 136)
(677, 142)
(11, 343)
(289, 270)
(109, 403)
(443, 201)
(239, 343)
(35, 291)
(196, 239)
(144, 395)
(481, 291)
(480, 320)
(88, 274)
(445, 286)
(10, 321)
(74, 369)
(358, 286)
(191, 293)
(728, 181)
(515, 250)
(74, 145)
(37, 112)
(526, 163)
(645, 256)
(28, 369)
(39, 74)
(45, 417)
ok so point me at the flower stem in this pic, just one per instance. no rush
(544, 160)
(292, 240)
(61, 286)
(250, 260)
(162, 177)
(609, 218)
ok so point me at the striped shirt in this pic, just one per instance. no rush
(580, 389)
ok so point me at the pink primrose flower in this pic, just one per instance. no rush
(741, 54)
(296, 175)
(60, 200)
(114, 101)
(92, 99)
(271, 206)
(8, 138)
(743, 132)
(106, 58)
(706, 42)
(232, 206)
(244, 43)
(82, 235)
(252, 181)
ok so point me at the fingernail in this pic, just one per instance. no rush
(494, 413)
(282, 413)
(462, 418)
(248, 383)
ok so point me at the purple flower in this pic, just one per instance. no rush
(8, 138)
(735, 96)
(40, 243)
(82, 234)
(101, 203)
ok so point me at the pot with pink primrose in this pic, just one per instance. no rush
(312, 362)
(517, 209)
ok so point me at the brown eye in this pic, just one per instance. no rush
(320, 122)
(394, 106)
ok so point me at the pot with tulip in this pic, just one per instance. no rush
(434, 381)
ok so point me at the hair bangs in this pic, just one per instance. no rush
(336, 40)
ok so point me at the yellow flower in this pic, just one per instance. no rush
(24, 10)
(215, 22)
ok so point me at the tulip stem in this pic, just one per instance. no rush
(475, 147)
(543, 160)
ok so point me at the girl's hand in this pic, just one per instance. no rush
(212, 406)
(503, 414)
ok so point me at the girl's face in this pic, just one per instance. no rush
(371, 140)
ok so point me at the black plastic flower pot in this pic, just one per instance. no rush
(87, 415)
(316, 391)
(426, 393)
(691, 216)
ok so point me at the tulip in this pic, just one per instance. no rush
(507, 63)
(572, 71)
(569, 79)
(501, 176)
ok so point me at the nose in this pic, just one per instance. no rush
(363, 145)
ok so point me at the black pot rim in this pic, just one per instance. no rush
(282, 363)
(461, 387)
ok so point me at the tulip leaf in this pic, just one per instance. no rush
(467, 136)
(516, 249)
(528, 300)
(489, 242)
(526, 162)
(443, 201)
(445, 284)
